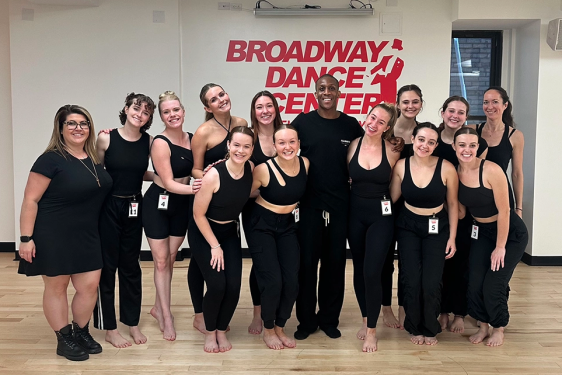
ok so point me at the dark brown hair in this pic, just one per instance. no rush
(454, 98)
(138, 99)
(277, 122)
(507, 116)
(204, 90)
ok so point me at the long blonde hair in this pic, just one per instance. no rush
(56, 144)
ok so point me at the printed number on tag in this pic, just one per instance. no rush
(433, 226)
(297, 215)
(163, 201)
(133, 209)
(386, 207)
(474, 233)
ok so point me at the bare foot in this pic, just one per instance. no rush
(431, 341)
(286, 340)
(211, 345)
(157, 314)
(114, 338)
(496, 339)
(224, 344)
(443, 321)
(370, 344)
(418, 340)
(401, 316)
(271, 340)
(458, 324)
(388, 317)
(199, 323)
(169, 330)
(363, 331)
(256, 327)
(479, 336)
(137, 335)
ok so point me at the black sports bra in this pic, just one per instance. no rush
(289, 194)
(479, 200)
(502, 153)
(431, 196)
(181, 159)
(369, 183)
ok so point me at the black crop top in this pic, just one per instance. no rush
(227, 203)
(126, 162)
(370, 183)
(181, 159)
(479, 200)
(258, 157)
(289, 194)
(433, 195)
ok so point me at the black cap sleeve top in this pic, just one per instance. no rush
(288, 194)
(370, 183)
(126, 162)
(431, 196)
(479, 200)
(181, 159)
(227, 203)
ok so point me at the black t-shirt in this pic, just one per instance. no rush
(325, 142)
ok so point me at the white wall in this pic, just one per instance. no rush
(6, 149)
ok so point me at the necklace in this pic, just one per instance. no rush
(236, 175)
(94, 173)
(222, 126)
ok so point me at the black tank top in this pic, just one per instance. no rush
(446, 151)
(370, 183)
(227, 203)
(181, 159)
(433, 195)
(479, 200)
(258, 157)
(289, 194)
(126, 162)
(503, 152)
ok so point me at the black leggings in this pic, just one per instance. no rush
(455, 273)
(388, 267)
(223, 288)
(487, 289)
(423, 257)
(121, 238)
(275, 252)
(369, 236)
(195, 279)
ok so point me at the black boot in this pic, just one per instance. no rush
(84, 339)
(67, 347)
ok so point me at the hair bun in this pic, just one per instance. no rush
(166, 93)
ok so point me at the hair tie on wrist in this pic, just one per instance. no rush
(215, 247)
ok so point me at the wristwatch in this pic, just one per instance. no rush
(25, 238)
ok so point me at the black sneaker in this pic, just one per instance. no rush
(301, 334)
(331, 332)
(67, 347)
(84, 339)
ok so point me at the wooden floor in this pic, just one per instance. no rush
(533, 338)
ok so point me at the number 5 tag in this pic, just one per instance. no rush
(163, 200)
(433, 226)
(386, 208)
(474, 233)
(133, 209)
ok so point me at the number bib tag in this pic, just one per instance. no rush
(297, 215)
(433, 226)
(386, 207)
(163, 200)
(133, 209)
(474, 233)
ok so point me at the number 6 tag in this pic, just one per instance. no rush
(133, 209)
(163, 200)
(474, 233)
(386, 208)
(433, 226)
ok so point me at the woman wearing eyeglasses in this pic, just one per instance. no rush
(63, 197)
(124, 153)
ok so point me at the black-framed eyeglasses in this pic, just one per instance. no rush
(73, 125)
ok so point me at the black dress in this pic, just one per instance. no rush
(66, 228)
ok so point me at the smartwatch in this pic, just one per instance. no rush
(25, 238)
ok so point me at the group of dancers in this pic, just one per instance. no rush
(391, 181)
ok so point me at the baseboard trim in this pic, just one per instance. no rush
(7, 247)
(530, 260)
(185, 253)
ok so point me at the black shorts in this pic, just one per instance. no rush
(161, 224)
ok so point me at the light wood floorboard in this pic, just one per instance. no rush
(533, 338)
